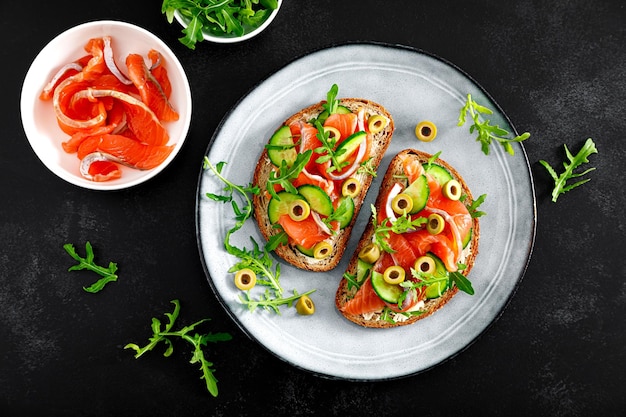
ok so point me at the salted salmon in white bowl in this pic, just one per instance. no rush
(106, 105)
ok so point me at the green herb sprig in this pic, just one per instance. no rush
(328, 151)
(487, 132)
(560, 181)
(331, 100)
(218, 17)
(269, 302)
(288, 173)
(108, 274)
(198, 341)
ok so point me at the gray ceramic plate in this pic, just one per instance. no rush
(413, 86)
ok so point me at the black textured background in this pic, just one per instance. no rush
(557, 68)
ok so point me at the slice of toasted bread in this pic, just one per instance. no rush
(345, 292)
(290, 253)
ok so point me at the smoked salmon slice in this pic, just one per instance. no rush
(149, 89)
(130, 152)
(305, 233)
(364, 301)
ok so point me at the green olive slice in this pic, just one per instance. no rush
(351, 187)
(370, 253)
(299, 210)
(305, 305)
(402, 203)
(425, 264)
(394, 274)
(426, 131)
(452, 190)
(322, 250)
(245, 279)
(435, 224)
(333, 132)
(377, 123)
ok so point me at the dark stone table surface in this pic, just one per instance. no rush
(558, 70)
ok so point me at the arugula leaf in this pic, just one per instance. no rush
(287, 173)
(269, 302)
(487, 132)
(366, 167)
(198, 341)
(473, 208)
(108, 274)
(331, 100)
(462, 282)
(217, 17)
(328, 151)
(560, 181)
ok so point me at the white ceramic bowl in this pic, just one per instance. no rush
(38, 116)
(232, 38)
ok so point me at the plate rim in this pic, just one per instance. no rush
(533, 220)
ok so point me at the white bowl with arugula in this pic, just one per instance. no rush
(220, 21)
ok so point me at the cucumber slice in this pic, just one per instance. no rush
(350, 145)
(439, 173)
(346, 206)
(284, 149)
(362, 270)
(419, 191)
(324, 115)
(468, 237)
(387, 292)
(317, 199)
(279, 206)
(305, 251)
(438, 288)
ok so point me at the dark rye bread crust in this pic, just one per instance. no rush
(343, 294)
(263, 168)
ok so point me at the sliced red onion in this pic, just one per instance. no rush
(320, 223)
(110, 62)
(458, 244)
(55, 79)
(329, 186)
(395, 190)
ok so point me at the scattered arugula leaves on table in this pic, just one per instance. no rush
(487, 132)
(560, 181)
(107, 274)
(217, 17)
(198, 341)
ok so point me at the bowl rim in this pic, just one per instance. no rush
(32, 85)
(233, 39)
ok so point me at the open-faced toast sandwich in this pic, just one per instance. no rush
(314, 174)
(416, 252)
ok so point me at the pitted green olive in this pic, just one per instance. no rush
(435, 224)
(394, 274)
(305, 305)
(245, 279)
(426, 131)
(351, 187)
(322, 250)
(425, 264)
(333, 132)
(452, 189)
(370, 253)
(402, 203)
(377, 123)
(299, 210)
